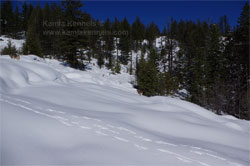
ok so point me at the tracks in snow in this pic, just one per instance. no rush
(121, 134)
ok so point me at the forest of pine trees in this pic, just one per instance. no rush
(209, 60)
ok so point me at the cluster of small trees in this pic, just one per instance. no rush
(210, 61)
(9, 50)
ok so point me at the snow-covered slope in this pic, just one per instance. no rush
(17, 43)
(55, 115)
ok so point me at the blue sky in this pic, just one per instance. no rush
(161, 11)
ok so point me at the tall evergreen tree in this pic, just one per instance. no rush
(117, 66)
(16, 23)
(46, 39)
(152, 31)
(32, 42)
(125, 42)
(116, 27)
(72, 14)
(26, 13)
(148, 74)
(25, 16)
(137, 33)
(242, 62)
(214, 67)
(109, 43)
(7, 18)
(56, 14)
(224, 25)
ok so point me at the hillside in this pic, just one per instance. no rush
(56, 115)
(17, 43)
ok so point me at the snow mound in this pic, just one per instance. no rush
(16, 74)
(56, 115)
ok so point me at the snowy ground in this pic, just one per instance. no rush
(4, 43)
(55, 115)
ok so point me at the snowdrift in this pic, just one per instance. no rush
(56, 115)
(15, 74)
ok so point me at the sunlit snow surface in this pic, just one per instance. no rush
(55, 115)
(17, 43)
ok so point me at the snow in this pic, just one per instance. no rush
(17, 43)
(55, 115)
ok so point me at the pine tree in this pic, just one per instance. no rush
(32, 43)
(9, 50)
(109, 43)
(152, 31)
(115, 28)
(213, 67)
(189, 55)
(46, 39)
(241, 63)
(25, 16)
(16, 23)
(26, 13)
(100, 59)
(7, 18)
(224, 25)
(72, 14)
(57, 40)
(94, 40)
(170, 83)
(148, 75)
(137, 33)
(125, 42)
(117, 66)
(170, 43)
(85, 38)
